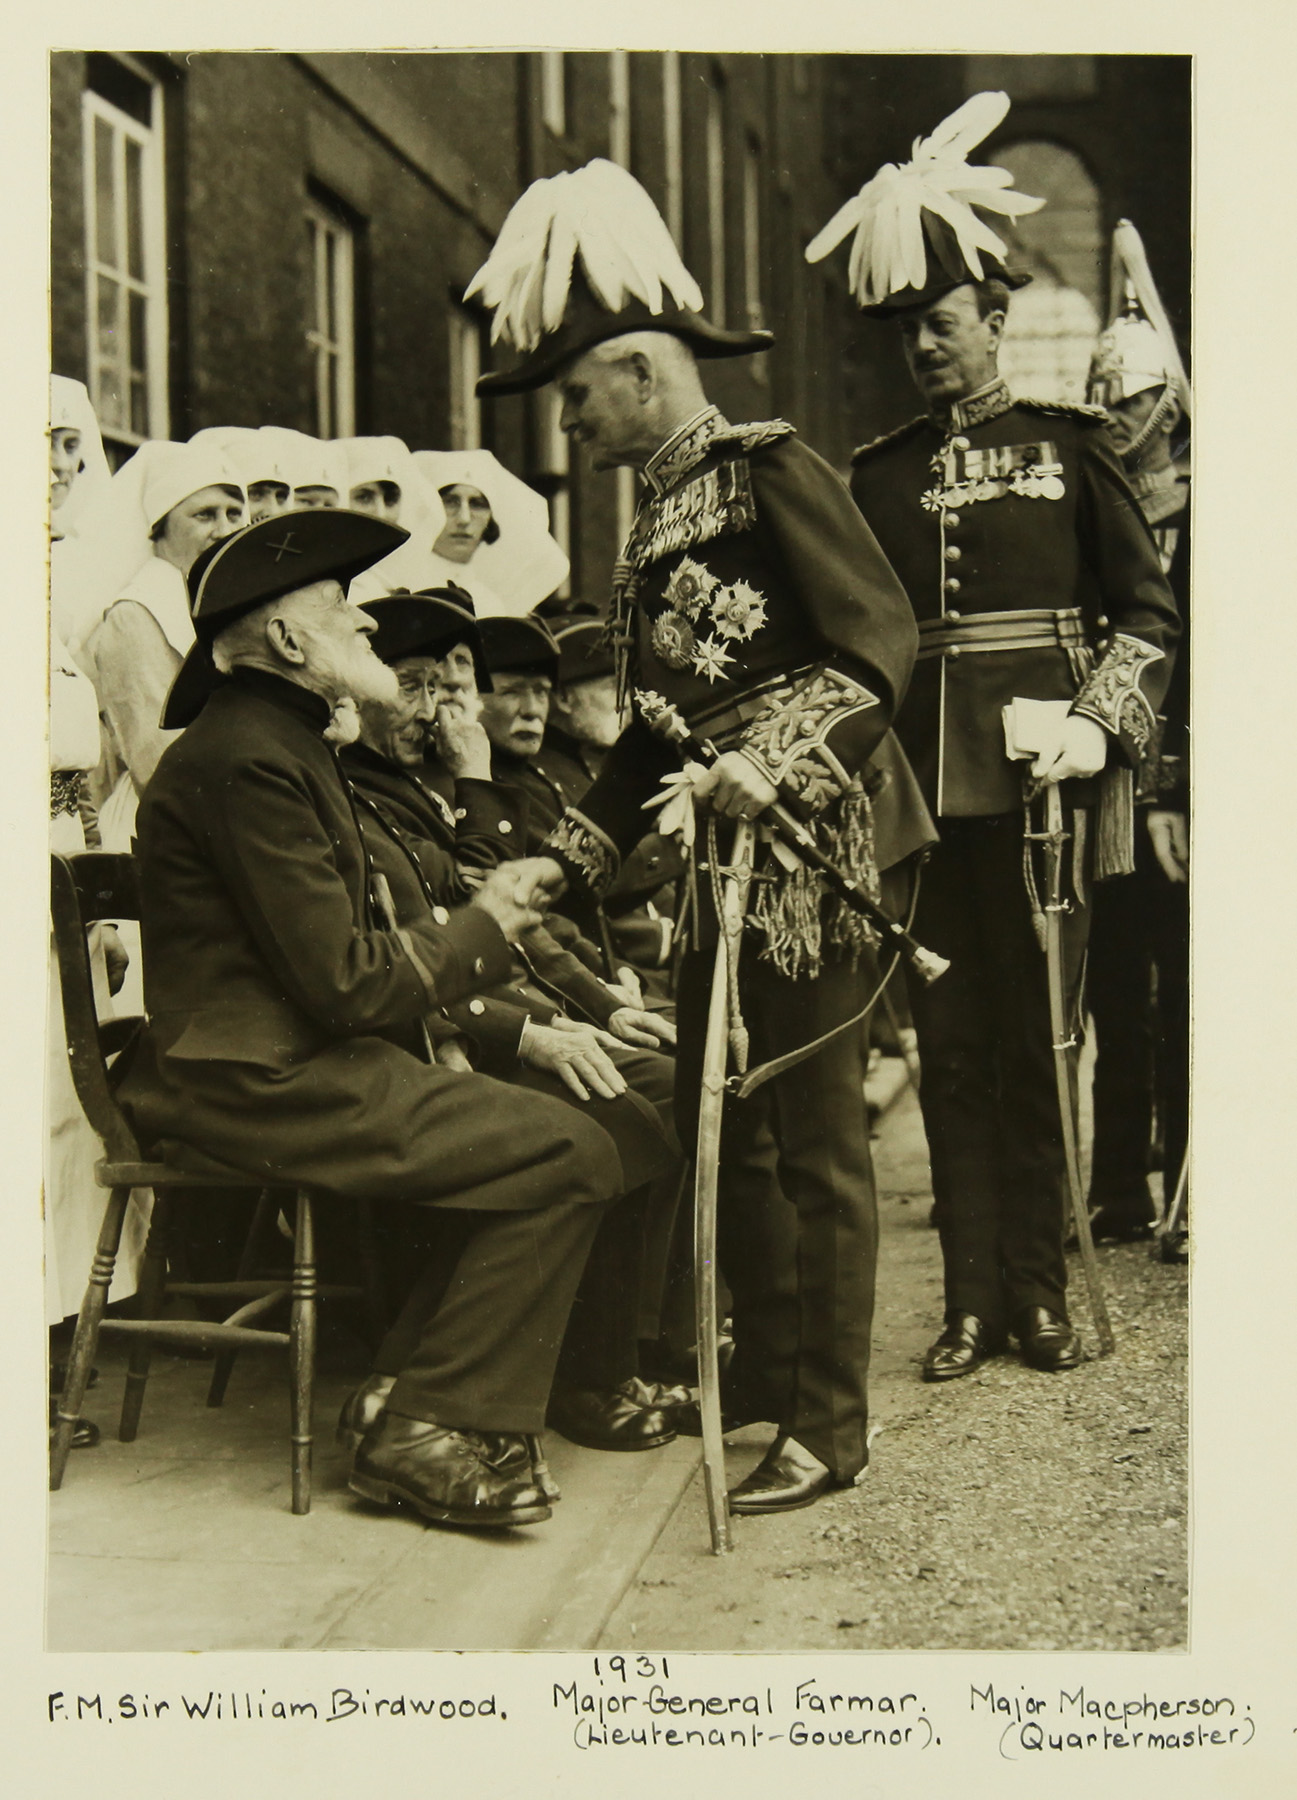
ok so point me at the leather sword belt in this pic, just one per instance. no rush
(739, 711)
(984, 633)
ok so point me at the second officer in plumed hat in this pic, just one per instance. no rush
(1033, 578)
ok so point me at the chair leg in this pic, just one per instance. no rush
(86, 1336)
(301, 1352)
(262, 1219)
(371, 1274)
(153, 1282)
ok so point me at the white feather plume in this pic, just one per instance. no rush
(889, 250)
(599, 213)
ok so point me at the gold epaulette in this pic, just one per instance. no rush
(753, 436)
(1066, 409)
(889, 438)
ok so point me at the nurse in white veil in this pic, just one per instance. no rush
(496, 541)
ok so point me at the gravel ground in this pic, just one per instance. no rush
(1008, 1510)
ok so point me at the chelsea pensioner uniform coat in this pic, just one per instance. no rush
(283, 1040)
(414, 839)
(1032, 574)
(754, 601)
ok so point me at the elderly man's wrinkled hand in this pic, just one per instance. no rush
(507, 896)
(635, 1026)
(575, 1054)
(461, 738)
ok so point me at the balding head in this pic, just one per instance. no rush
(625, 397)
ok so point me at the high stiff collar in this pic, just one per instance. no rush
(1160, 492)
(974, 409)
(686, 446)
(312, 708)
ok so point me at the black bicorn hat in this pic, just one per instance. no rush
(516, 645)
(585, 256)
(584, 651)
(923, 229)
(427, 623)
(261, 563)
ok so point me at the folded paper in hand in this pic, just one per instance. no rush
(1034, 726)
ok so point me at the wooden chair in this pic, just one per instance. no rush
(84, 890)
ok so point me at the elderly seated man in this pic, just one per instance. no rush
(553, 1027)
(289, 1023)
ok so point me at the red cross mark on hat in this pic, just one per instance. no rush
(287, 546)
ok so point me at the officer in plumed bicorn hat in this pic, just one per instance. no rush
(752, 605)
(1033, 578)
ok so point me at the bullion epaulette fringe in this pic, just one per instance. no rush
(888, 438)
(753, 436)
(1066, 409)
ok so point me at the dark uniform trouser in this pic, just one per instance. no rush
(599, 1339)
(801, 1269)
(1141, 923)
(988, 1092)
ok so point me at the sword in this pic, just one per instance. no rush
(927, 965)
(724, 1032)
(1054, 837)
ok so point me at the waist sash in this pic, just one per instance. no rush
(984, 633)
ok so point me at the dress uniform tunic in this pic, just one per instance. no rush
(1026, 559)
(283, 1040)
(754, 601)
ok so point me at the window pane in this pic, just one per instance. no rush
(108, 339)
(134, 209)
(330, 320)
(139, 406)
(137, 347)
(105, 208)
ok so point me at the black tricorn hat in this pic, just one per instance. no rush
(261, 563)
(427, 623)
(519, 644)
(586, 322)
(583, 648)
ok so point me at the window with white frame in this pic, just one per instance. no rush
(331, 328)
(672, 145)
(126, 308)
(716, 195)
(619, 107)
(465, 367)
(553, 91)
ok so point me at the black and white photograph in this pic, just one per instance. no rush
(618, 1048)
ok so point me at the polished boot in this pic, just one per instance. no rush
(786, 1477)
(363, 1409)
(623, 1418)
(1113, 1223)
(965, 1342)
(1046, 1340)
(464, 1477)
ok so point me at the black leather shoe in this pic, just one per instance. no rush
(965, 1342)
(1046, 1340)
(787, 1477)
(1114, 1224)
(362, 1410)
(85, 1433)
(603, 1420)
(449, 1477)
